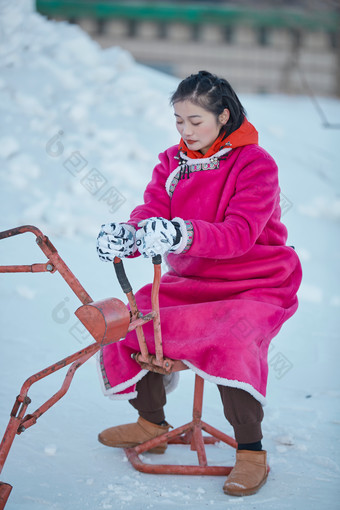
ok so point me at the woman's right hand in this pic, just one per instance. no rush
(116, 240)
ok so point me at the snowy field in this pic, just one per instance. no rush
(80, 132)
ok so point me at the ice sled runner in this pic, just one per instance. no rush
(108, 321)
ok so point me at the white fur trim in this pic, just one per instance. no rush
(123, 396)
(184, 239)
(112, 392)
(169, 179)
(191, 161)
(99, 370)
(171, 382)
(130, 382)
(228, 382)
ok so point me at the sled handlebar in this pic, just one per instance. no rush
(121, 275)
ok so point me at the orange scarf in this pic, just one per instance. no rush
(246, 134)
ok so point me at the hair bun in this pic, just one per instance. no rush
(206, 74)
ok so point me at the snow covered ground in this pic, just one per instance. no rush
(80, 132)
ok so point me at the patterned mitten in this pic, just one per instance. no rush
(158, 236)
(116, 240)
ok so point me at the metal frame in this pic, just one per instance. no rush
(108, 321)
(189, 434)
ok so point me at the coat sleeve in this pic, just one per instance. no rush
(156, 199)
(256, 196)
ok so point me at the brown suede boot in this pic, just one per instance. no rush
(132, 434)
(249, 473)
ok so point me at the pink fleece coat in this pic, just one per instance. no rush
(223, 300)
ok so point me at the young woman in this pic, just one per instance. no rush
(213, 209)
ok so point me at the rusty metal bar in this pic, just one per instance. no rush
(127, 289)
(33, 268)
(51, 253)
(185, 434)
(185, 439)
(11, 430)
(18, 422)
(220, 436)
(31, 419)
(197, 444)
(21, 230)
(174, 469)
(155, 308)
(91, 349)
(198, 397)
(166, 366)
(135, 323)
(53, 258)
(167, 436)
(141, 341)
(5, 490)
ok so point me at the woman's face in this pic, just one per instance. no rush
(198, 127)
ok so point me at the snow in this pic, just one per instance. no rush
(237, 485)
(80, 132)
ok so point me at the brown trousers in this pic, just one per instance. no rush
(241, 409)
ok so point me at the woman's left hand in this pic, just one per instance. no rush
(157, 236)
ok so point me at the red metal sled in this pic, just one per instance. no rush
(108, 321)
(191, 433)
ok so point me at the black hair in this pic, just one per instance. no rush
(214, 94)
